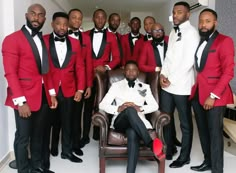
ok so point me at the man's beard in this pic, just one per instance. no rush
(113, 28)
(206, 34)
(158, 40)
(34, 29)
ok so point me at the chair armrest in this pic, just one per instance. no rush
(101, 120)
(159, 120)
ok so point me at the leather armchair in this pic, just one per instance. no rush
(112, 145)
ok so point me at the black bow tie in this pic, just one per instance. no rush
(76, 33)
(34, 33)
(176, 28)
(131, 84)
(159, 43)
(98, 31)
(59, 39)
(149, 36)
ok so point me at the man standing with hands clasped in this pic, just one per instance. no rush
(177, 78)
(214, 63)
(30, 90)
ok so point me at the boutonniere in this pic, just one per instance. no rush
(179, 36)
(140, 91)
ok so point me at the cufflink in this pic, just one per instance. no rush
(21, 103)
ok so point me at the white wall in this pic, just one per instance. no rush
(12, 17)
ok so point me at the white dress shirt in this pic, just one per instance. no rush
(61, 49)
(97, 41)
(120, 93)
(178, 65)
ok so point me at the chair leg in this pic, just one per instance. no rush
(102, 165)
(162, 166)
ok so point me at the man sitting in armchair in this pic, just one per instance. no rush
(128, 101)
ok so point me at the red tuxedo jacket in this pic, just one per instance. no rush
(22, 70)
(216, 70)
(85, 43)
(128, 48)
(108, 47)
(71, 75)
(147, 60)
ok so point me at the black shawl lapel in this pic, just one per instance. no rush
(53, 52)
(165, 49)
(103, 44)
(33, 46)
(68, 53)
(119, 46)
(156, 54)
(80, 38)
(205, 52)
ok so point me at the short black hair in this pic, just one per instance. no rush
(103, 11)
(131, 62)
(183, 3)
(74, 9)
(113, 14)
(211, 11)
(60, 14)
(135, 18)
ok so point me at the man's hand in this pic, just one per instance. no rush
(100, 68)
(87, 93)
(164, 81)
(209, 103)
(128, 104)
(78, 96)
(24, 111)
(54, 102)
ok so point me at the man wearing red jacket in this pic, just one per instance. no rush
(129, 40)
(67, 70)
(25, 61)
(106, 56)
(148, 23)
(214, 62)
(153, 53)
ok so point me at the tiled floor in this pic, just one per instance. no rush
(90, 161)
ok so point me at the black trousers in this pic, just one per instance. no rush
(76, 122)
(210, 129)
(29, 133)
(168, 103)
(87, 115)
(129, 122)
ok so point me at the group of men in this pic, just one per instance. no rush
(51, 81)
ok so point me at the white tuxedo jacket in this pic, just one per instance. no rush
(120, 93)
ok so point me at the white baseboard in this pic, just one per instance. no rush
(10, 156)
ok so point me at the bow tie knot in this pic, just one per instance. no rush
(176, 28)
(131, 83)
(98, 31)
(59, 39)
(158, 43)
(76, 33)
(34, 33)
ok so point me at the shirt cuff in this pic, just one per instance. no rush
(52, 92)
(214, 96)
(81, 91)
(157, 69)
(107, 67)
(18, 100)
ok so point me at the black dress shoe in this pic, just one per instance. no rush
(177, 142)
(83, 142)
(179, 163)
(48, 171)
(46, 164)
(54, 152)
(71, 157)
(37, 170)
(203, 167)
(12, 164)
(78, 152)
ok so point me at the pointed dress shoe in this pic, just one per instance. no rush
(78, 152)
(157, 147)
(203, 167)
(179, 163)
(71, 157)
